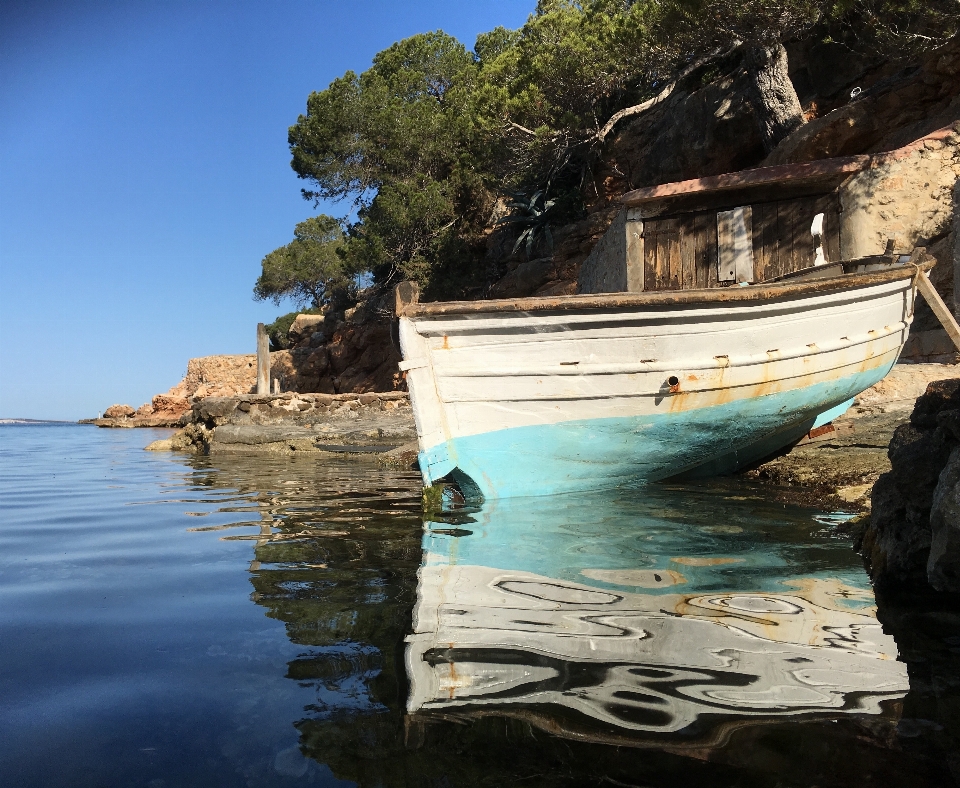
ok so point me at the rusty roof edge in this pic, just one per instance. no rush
(806, 171)
(814, 170)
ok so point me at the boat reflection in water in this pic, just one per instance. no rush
(599, 620)
(720, 639)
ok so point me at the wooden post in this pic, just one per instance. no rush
(932, 297)
(263, 360)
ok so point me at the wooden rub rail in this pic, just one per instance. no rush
(408, 306)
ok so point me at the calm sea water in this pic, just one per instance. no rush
(172, 621)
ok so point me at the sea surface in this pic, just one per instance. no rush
(168, 621)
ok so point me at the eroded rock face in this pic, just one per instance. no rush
(169, 406)
(894, 107)
(913, 540)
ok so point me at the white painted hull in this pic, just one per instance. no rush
(557, 400)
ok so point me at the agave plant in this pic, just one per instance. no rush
(532, 212)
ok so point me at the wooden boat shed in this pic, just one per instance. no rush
(749, 226)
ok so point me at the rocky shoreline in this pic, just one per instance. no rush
(330, 424)
(838, 468)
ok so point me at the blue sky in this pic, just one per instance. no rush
(144, 173)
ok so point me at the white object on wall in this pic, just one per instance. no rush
(816, 230)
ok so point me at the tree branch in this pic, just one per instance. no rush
(524, 129)
(637, 109)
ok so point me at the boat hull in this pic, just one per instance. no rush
(538, 403)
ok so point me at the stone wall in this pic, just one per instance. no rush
(606, 268)
(910, 196)
(906, 195)
(218, 376)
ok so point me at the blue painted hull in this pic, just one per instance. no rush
(599, 454)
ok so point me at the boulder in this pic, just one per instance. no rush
(304, 326)
(169, 406)
(913, 539)
(943, 565)
(118, 412)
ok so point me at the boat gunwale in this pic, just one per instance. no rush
(748, 293)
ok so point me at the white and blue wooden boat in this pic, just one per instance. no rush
(536, 396)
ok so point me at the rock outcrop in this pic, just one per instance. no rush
(913, 539)
(118, 412)
(314, 422)
(350, 351)
(163, 411)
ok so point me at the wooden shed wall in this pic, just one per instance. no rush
(680, 252)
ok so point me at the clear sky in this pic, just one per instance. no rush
(144, 173)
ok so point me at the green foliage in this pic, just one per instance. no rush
(309, 269)
(896, 27)
(405, 115)
(279, 329)
(531, 214)
(399, 141)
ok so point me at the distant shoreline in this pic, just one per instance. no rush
(23, 422)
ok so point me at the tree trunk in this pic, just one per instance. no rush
(773, 96)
